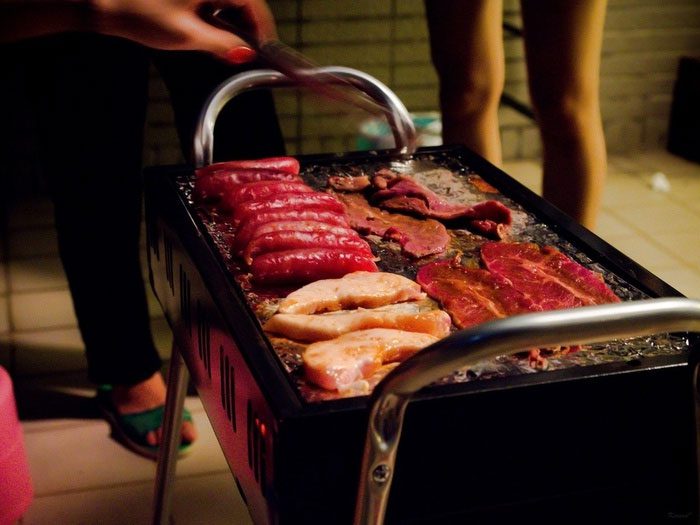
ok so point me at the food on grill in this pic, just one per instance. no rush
(545, 275)
(292, 239)
(343, 183)
(355, 290)
(406, 194)
(519, 278)
(338, 363)
(213, 187)
(260, 190)
(286, 164)
(306, 265)
(418, 238)
(250, 229)
(286, 201)
(319, 327)
(471, 295)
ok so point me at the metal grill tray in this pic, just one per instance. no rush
(589, 437)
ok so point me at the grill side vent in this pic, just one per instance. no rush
(185, 295)
(204, 338)
(169, 274)
(228, 387)
(153, 238)
(257, 450)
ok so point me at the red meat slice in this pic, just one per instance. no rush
(260, 190)
(248, 230)
(286, 201)
(212, 188)
(286, 164)
(404, 194)
(417, 238)
(292, 240)
(306, 265)
(471, 295)
(545, 275)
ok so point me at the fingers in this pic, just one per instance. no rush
(226, 45)
(260, 17)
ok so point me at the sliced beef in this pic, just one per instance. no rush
(471, 295)
(405, 195)
(417, 238)
(286, 164)
(545, 275)
(211, 188)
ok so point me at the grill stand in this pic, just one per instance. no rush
(405, 140)
(505, 336)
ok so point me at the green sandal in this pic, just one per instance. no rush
(130, 430)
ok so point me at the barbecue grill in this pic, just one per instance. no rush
(607, 434)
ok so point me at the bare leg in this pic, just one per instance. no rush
(466, 41)
(563, 43)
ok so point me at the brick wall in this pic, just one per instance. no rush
(388, 38)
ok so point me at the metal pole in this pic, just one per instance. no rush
(172, 423)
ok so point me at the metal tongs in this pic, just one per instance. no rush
(293, 64)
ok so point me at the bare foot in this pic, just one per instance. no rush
(144, 396)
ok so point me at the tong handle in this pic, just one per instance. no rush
(395, 112)
(465, 348)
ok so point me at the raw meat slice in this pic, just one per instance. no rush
(320, 327)
(355, 290)
(418, 238)
(306, 265)
(286, 164)
(545, 275)
(403, 194)
(339, 363)
(291, 240)
(471, 295)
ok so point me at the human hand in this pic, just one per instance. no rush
(178, 25)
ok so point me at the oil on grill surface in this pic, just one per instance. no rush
(447, 175)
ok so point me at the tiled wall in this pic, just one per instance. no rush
(643, 41)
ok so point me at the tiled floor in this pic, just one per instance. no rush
(83, 477)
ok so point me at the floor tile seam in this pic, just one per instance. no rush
(129, 484)
(641, 232)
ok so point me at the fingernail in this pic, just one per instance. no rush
(240, 54)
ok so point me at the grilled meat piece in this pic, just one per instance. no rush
(545, 275)
(339, 363)
(306, 265)
(355, 290)
(261, 190)
(248, 230)
(212, 188)
(471, 295)
(286, 201)
(418, 238)
(280, 240)
(320, 327)
(286, 164)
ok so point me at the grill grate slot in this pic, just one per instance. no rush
(152, 233)
(257, 450)
(185, 296)
(228, 387)
(204, 338)
(169, 274)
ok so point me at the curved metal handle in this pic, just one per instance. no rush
(396, 113)
(573, 326)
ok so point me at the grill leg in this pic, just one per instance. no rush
(172, 422)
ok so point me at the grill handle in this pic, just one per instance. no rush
(395, 112)
(504, 336)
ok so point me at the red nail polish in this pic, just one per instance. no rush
(240, 54)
